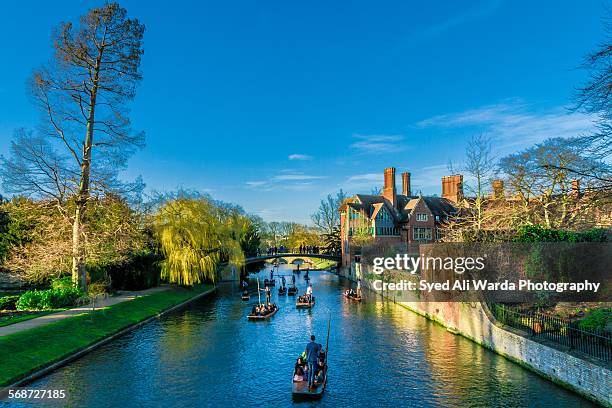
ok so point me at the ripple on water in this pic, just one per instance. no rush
(380, 355)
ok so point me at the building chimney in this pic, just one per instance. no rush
(406, 184)
(389, 189)
(498, 189)
(452, 187)
(576, 188)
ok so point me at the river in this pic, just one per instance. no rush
(380, 354)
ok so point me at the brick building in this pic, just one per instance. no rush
(398, 218)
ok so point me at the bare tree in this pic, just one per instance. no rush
(595, 97)
(480, 165)
(83, 94)
(327, 217)
(542, 184)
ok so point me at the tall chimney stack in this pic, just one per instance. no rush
(389, 189)
(498, 189)
(576, 188)
(452, 187)
(406, 184)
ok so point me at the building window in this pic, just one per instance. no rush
(421, 217)
(421, 234)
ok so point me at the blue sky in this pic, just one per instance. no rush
(274, 104)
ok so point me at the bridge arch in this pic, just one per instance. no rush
(263, 258)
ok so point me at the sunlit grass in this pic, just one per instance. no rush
(24, 352)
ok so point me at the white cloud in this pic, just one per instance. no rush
(298, 156)
(296, 177)
(369, 177)
(377, 144)
(286, 181)
(515, 123)
(256, 183)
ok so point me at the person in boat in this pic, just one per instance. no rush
(320, 368)
(271, 274)
(298, 370)
(245, 293)
(309, 293)
(254, 310)
(359, 287)
(293, 279)
(244, 284)
(312, 353)
(283, 280)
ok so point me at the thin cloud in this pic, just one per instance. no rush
(296, 177)
(515, 124)
(377, 144)
(287, 181)
(298, 156)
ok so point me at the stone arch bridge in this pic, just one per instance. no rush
(263, 258)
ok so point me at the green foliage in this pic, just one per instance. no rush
(27, 350)
(596, 320)
(332, 241)
(196, 235)
(9, 302)
(62, 283)
(17, 220)
(250, 240)
(141, 270)
(48, 299)
(538, 233)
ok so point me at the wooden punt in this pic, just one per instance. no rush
(282, 290)
(355, 297)
(269, 282)
(245, 297)
(305, 305)
(301, 389)
(264, 317)
(292, 291)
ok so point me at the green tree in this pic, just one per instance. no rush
(195, 235)
(83, 94)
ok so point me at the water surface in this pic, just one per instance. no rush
(380, 354)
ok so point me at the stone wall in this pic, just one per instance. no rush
(472, 320)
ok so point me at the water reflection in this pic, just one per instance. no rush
(379, 355)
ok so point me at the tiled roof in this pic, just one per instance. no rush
(371, 204)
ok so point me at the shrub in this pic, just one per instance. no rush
(538, 233)
(62, 283)
(141, 271)
(596, 320)
(48, 299)
(9, 302)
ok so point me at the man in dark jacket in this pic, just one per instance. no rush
(312, 354)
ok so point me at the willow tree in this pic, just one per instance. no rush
(83, 94)
(196, 235)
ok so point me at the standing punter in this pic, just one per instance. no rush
(312, 354)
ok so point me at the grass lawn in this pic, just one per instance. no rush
(8, 320)
(324, 264)
(26, 351)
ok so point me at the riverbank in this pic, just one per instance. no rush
(28, 354)
(471, 320)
